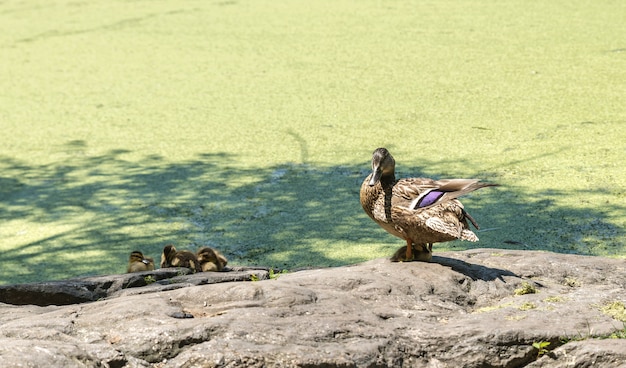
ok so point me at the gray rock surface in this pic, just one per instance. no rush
(461, 310)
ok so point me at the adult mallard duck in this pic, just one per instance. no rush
(421, 211)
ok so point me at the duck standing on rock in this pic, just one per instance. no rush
(421, 211)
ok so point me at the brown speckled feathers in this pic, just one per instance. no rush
(419, 210)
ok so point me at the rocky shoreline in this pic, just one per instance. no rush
(477, 308)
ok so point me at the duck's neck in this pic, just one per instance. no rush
(388, 181)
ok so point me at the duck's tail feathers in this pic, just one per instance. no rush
(468, 235)
(459, 187)
(471, 219)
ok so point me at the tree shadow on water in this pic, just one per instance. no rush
(86, 214)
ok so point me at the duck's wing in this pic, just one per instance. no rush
(428, 209)
(408, 189)
(420, 194)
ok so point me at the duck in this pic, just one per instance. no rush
(421, 211)
(210, 259)
(175, 258)
(137, 262)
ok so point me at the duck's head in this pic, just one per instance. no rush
(135, 256)
(383, 165)
(168, 253)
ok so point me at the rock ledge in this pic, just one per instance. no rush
(461, 310)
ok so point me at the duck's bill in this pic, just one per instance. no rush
(376, 174)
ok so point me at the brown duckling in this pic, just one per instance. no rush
(211, 259)
(137, 262)
(183, 258)
(420, 253)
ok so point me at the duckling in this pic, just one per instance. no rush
(421, 211)
(420, 253)
(173, 258)
(211, 259)
(138, 263)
